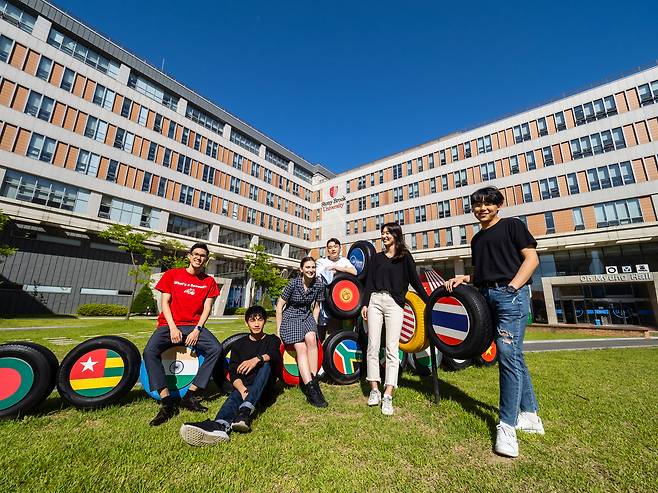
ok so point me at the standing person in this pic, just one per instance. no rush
(504, 258)
(188, 294)
(389, 276)
(297, 325)
(327, 267)
(253, 359)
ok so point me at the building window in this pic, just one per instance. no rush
(162, 187)
(454, 154)
(550, 224)
(247, 143)
(444, 183)
(420, 214)
(413, 190)
(28, 188)
(461, 180)
(362, 203)
(184, 164)
(413, 244)
(572, 183)
(82, 53)
(578, 221)
(560, 123)
(398, 195)
(467, 149)
(419, 164)
(361, 183)
(513, 165)
(488, 171)
(466, 204)
(462, 235)
(449, 237)
(204, 119)
(87, 163)
(125, 212)
(41, 148)
(444, 208)
(112, 169)
(44, 68)
(397, 171)
(235, 185)
(614, 175)
(374, 200)
(430, 161)
(433, 185)
(442, 157)
(96, 129)
(549, 188)
(188, 227)
(157, 123)
(186, 195)
(104, 98)
(547, 154)
(40, 106)
(541, 126)
(530, 160)
(616, 213)
(153, 91)
(399, 217)
(527, 193)
(146, 182)
(521, 133)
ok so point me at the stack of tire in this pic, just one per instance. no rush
(95, 373)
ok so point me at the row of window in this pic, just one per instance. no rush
(83, 53)
(16, 16)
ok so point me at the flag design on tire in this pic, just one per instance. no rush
(408, 324)
(347, 357)
(290, 362)
(16, 380)
(450, 321)
(96, 373)
(181, 364)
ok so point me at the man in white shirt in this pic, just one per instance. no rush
(327, 267)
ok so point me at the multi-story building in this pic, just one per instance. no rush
(91, 135)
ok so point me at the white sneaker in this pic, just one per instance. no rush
(387, 405)
(506, 443)
(374, 398)
(530, 423)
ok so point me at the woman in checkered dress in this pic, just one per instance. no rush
(297, 312)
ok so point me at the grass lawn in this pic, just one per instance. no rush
(598, 408)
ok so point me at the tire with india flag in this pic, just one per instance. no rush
(344, 296)
(459, 322)
(343, 357)
(98, 372)
(181, 364)
(26, 377)
(289, 368)
(489, 357)
(412, 335)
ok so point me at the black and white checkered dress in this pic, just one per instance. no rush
(297, 319)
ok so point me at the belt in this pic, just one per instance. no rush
(494, 284)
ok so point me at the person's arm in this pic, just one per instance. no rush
(368, 290)
(345, 267)
(233, 364)
(530, 263)
(193, 336)
(451, 284)
(174, 332)
(240, 387)
(280, 305)
(414, 280)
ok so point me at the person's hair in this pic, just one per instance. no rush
(396, 232)
(203, 246)
(487, 195)
(304, 260)
(333, 240)
(255, 310)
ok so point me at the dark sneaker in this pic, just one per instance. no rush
(242, 421)
(316, 383)
(313, 397)
(206, 432)
(164, 414)
(193, 404)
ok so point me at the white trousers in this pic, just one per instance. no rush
(383, 310)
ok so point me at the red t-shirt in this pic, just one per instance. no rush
(188, 293)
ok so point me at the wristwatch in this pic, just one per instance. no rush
(199, 328)
(260, 358)
(511, 289)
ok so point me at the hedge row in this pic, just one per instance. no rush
(101, 310)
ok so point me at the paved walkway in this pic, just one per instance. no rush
(582, 344)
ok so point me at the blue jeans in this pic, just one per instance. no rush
(234, 403)
(510, 313)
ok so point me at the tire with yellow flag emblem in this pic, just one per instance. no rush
(98, 372)
(25, 377)
(344, 296)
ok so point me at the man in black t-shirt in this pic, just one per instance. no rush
(253, 359)
(504, 258)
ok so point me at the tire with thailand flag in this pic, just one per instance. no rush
(360, 256)
(344, 296)
(98, 372)
(460, 322)
(220, 372)
(26, 377)
(413, 336)
(343, 357)
(181, 364)
(289, 368)
(489, 357)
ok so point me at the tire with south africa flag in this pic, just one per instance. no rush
(98, 372)
(26, 377)
(343, 357)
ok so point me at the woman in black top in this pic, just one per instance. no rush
(297, 312)
(389, 276)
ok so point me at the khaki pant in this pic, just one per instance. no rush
(382, 309)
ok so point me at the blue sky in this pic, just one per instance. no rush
(343, 83)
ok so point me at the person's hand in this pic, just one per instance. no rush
(451, 284)
(244, 393)
(175, 335)
(192, 337)
(247, 365)
(364, 312)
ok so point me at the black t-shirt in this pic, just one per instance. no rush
(244, 349)
(394, 276)
(497, 251)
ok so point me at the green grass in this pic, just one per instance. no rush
(598, 408)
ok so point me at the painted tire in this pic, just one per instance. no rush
(489, 357)
(459, 323)
(289, 369)
(421, 363)
(26, 378)
(181, 364)
(98, 372)
(412, 336)
(220, 372)
(344, 357)
(49, 355)
(344, 296)
(360, 255)
(454, 364)
(362, 331)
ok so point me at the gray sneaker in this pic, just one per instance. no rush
(206, 432)
(387, 405)
(506, 443)
(530, 423)
(374, 398)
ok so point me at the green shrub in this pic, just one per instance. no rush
(101, 310)
(240, 311)
(144, 303)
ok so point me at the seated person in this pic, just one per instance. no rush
(251, 370)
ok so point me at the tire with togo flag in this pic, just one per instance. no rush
(360, 256)
(26, 377)
(98, 372)
(459, 323)
(220, 372)
(343, 357)
(344, 296)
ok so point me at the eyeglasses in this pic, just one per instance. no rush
(198, 255)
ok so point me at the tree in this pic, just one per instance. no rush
(174, 254)
(264, 273)
(140, 256)
(5, 250)
(144, 303)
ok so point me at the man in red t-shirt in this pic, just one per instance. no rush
(187, 298)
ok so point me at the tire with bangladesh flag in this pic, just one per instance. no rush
(26, 377)
(98, 372)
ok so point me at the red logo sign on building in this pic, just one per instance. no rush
(333, 191)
